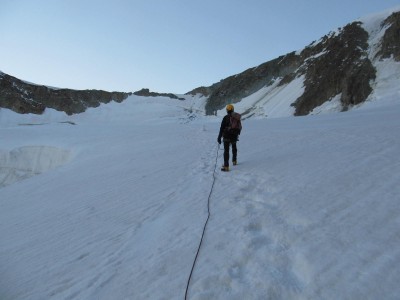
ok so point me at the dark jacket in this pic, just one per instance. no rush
(223, 131)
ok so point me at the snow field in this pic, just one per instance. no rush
(310, 212)
(113, 207)
(111, 215)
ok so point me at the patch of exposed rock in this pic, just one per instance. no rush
(203, 90)
(339, 64)
(147, 93)
(23, 97)
(391, 38)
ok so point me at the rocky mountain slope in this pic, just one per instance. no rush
(341, 65)
(24, 97)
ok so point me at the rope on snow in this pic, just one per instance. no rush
(204, 228)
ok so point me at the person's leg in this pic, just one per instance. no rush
(226, 154)
(234, 153)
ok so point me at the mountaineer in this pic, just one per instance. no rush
(231, 127)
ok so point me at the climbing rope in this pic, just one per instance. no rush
(204, 228)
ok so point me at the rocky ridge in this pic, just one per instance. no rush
(147, 93)
(23, 97)
(338, 64)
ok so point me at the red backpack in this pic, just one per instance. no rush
(235, 125)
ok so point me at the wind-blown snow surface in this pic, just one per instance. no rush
(311, 211)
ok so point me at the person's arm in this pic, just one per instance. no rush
(221, 130)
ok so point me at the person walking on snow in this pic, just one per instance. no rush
(230, 130)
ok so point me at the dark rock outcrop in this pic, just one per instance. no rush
(205, 91)
(391, 38)
(339, 64)
(23, 97)
(147, 93)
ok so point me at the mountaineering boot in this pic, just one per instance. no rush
(234, 162)
(225, 169)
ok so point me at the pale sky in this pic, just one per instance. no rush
(164, 45)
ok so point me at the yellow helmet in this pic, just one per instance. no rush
(229, 107)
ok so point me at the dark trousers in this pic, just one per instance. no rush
(226, 152)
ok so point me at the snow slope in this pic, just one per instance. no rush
(312, 210)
